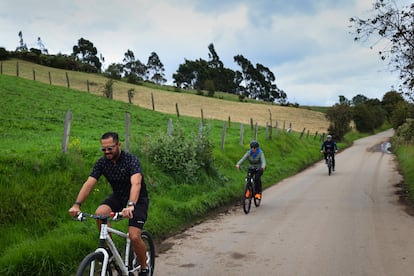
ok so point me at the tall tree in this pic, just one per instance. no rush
(42, 46)
(155, 69)
(22, 46)
(394, 25)
(214, 61)
(134, 69)
(86, 53)
(359, 99)
(339, 116)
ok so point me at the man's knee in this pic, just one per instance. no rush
(134, 234)
(103, 210)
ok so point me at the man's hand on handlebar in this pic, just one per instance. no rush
(128, 212)
(74, 210)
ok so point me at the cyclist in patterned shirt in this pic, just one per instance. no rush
(256, 159)
(124, 173)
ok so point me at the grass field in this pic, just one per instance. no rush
(189, 104)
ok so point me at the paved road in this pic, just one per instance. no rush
(349, 223)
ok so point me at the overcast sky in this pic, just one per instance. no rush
(306, 43)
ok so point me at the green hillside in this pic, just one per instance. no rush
(39, 182)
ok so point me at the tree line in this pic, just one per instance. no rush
(251, 81)
(368, 114)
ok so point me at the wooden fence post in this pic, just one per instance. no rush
(127, 130)
(251, 123)
(303, 132)
(87, 86)
(66, 131)
(50, 79)
(316, 135)
(1, 67)
(67, 79)
(229, 120)
(17, 69)
(176, 108)
(202, 117)
(152, 100)
(34, 74)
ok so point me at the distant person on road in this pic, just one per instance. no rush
(123, 171)
(256, 158)
(329, 146)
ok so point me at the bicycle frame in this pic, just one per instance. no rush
(105, 240)
(105, 237)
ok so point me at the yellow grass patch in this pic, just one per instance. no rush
(164, 101)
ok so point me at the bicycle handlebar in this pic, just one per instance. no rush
(115, 216)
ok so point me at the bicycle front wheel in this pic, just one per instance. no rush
(92, 264)
(150, 252)
(247, 197)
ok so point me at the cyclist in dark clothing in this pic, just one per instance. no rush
(329, 146)
(124, 173)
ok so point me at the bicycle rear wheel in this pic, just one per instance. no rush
(149, 244)
(257, 201)
(92, 264)
(247, 197)
(329, 166)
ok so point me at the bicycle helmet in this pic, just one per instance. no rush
(329, 136)
(254, 144)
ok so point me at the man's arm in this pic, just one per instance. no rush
(136, 180)
(82, 195)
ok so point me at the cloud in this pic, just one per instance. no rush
(305, 43)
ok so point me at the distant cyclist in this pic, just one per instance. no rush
(329, 146)
(256, 159)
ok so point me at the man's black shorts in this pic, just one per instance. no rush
(140, 210)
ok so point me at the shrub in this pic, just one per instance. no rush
(3, 54)
(180, 156)
(405, 133)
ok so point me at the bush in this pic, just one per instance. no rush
(4, 55)
(182, 157)
(405, 133)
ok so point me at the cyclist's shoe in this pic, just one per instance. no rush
(144, 272)
(258, 196)
(247, 193)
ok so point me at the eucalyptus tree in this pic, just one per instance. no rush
(155, 69)
(86, 53)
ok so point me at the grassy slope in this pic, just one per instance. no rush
(188, 102)
(39, 183)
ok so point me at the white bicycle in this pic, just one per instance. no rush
(106, 260)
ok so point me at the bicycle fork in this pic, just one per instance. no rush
(105, 237)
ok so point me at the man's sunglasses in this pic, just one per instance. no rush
(104, 149)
